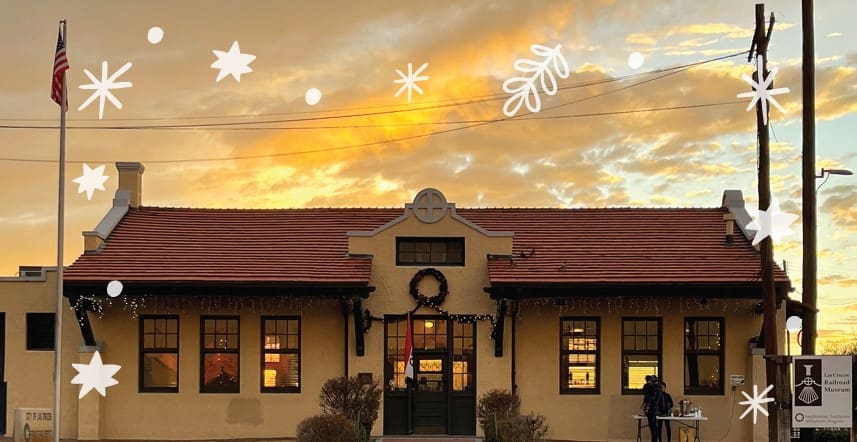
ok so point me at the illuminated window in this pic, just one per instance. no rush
(159, 354)
(579, 355)
(220, 354)
(281, 354)
(703, 356)
(641, 352)
(462, 357)
(394, 355)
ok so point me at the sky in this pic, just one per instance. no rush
(608, 137)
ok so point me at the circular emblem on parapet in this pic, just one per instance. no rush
(429, 206)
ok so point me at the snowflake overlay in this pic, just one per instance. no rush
(102, 88)
(760, 90)
(755, 403)
(232, 63)
(522, 88)
(409, 81)
(95, 375)
(91, 180)
(772, 222)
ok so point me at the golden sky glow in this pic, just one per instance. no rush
(577, 157)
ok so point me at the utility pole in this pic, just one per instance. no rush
(809, 210)
(777, 429)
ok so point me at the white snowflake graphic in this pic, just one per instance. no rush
(91, 180)
(523, 88)
(95, 375)
(755, 402)
(102, 88)
(760, 90)
(232, 63)
(409, 81)
(772, 222)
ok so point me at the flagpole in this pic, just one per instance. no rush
(60, 231)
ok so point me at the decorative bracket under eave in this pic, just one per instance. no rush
(80, 307)
(359, 328)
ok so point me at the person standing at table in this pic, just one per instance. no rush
(665, 406)
(651, 400)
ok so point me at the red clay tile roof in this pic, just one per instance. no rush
(619, 246)
(211, 245)
(571, 246)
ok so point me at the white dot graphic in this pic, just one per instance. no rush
(114, 288)
(156, 34)
(313, 96)
(635, 60)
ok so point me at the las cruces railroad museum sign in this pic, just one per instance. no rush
(822, 392)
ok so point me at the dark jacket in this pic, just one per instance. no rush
(651, 397)
(665, 404)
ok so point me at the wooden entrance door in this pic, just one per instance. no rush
(431, 393)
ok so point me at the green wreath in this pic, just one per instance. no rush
(422, 299)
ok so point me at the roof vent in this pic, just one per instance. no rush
(730, 228)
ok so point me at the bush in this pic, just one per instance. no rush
(350, 398)
(325, 428)
(501, 403)
(529, 428)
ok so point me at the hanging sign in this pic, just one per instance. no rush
(822, 392)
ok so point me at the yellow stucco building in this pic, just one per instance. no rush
(229, 321)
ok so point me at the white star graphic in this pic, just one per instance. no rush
(90, 180)
(410, 81)
(95, 375)
(755, 402)
(760, 90)
(772, 222)
(232, 63)
(102, 87)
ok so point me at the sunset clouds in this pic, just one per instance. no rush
(581, 150)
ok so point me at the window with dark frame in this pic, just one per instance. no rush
(159, 354)
(40, 331)
(703, 356)
(579, 355)
(394, 354)
(430, 251)
(463, 357)
(281, 354)
(641, 352)
(220, 354)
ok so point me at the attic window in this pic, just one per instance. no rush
(429, 251)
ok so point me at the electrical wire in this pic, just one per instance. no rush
(393, 140)
(445, 103)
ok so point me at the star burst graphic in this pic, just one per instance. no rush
(91, 180)
(772, 222)
(755, 402)
(760, 90)
(102, 88)
(95, 375)
(410, 81)
(232, 63)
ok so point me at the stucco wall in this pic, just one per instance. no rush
(608, 415)
(466, 294)
(29, 374)
(190, 414)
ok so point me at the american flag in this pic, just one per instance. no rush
(60, 66)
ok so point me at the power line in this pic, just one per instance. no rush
(391, 109)
(409, 137)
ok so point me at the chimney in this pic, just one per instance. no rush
(730, 227)
(131, 179)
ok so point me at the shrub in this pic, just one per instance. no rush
(352, 399)
(496, 405)
(325, 428)
(504, 408)
(529, 428)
